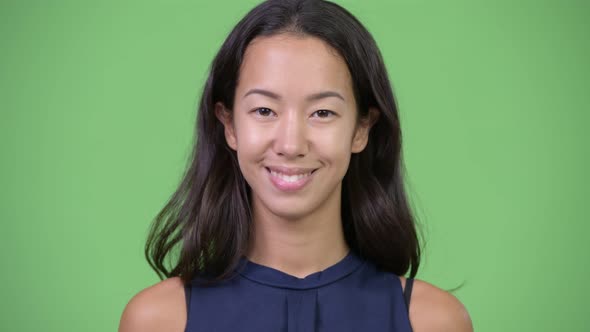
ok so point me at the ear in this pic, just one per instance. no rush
(361, 135)
(225, 117)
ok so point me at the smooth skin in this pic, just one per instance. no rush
(294, 107)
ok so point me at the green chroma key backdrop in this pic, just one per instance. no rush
(98, 102)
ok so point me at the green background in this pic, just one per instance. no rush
(98, 103)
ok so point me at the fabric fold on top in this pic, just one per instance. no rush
(302, 310)
(301, 296)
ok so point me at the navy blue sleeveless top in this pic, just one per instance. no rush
(351, 295)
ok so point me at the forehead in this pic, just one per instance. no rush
(293, 65)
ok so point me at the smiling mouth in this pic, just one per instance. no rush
(294, 178)
(289, 183)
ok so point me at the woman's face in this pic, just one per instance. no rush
(294, 125)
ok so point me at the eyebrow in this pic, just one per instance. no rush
(312, 97)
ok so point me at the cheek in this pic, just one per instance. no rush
(249, 139)
(338, 136)
(334, 144)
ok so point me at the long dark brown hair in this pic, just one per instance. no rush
(205, 226)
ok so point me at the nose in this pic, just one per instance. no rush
(291, 136)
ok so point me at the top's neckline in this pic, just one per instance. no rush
(272, 277)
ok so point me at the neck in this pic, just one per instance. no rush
(298, 247)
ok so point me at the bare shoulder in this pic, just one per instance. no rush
(435, 310)
(160, 307)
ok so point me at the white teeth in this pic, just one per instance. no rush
(290, 178)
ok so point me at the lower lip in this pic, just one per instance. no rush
(286, 186)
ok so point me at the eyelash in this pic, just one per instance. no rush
(266, 108)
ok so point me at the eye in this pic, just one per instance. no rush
(263, 112)
(324, 113)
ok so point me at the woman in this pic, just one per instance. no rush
(292, 215)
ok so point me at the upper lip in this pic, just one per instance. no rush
(291, 170)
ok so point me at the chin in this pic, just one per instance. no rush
(287, 210)
(290, 213)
